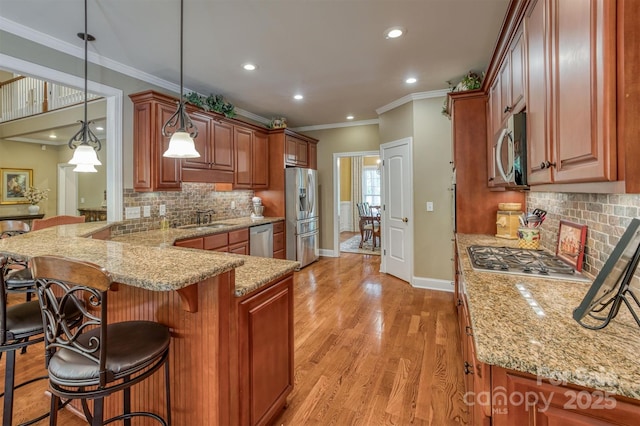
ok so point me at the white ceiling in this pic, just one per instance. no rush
(332, 51)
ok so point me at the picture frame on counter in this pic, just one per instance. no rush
(14, 183)
(571, 240)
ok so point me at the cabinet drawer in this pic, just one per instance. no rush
(278, 227)
(278, 241)
(190, 243)
(239, 236)
(280, 254)
(215, 241)
(241, 248)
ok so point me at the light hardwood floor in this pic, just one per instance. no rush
(369, 350)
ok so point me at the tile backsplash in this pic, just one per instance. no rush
(181, 206)
(606, 216)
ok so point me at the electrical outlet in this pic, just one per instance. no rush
(146, 211)
(233, 205)
(132, 213)
(429, 206)
(163, 210)
(81, 200)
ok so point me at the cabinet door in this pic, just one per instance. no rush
(196, 243)
(240, 248)
(313, 156)
(265, 344)
(505, 89)
(495, 120)
(584, 88)
(222, 157)
(242, 140)
(538, 75)
(202, 142)
(290, 147)
(168, 169)
(516, 51)
(260, 160)
(302, 153)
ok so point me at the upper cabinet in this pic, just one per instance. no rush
(252, 159)
(152, 171)
(216, 161)
(296, 151)
(571, 82)
(572, 67)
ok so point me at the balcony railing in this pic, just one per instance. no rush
(26, 96)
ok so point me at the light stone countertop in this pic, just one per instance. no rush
(508, 333)
(148, 259)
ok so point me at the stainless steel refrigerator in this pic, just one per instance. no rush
(302, 215)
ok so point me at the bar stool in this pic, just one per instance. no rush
(20, 326)
(99, 358)
(16, 272)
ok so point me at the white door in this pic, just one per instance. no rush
(397, 224)
(67, 190)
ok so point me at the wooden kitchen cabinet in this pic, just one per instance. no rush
(265, 352)
(252, 159)
(296, 151)
(571, 87)
(152, 171)
(216, 161)
(527, 400)
(313, 156)
(279, 249)
(196, 243)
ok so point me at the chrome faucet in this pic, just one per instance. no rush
(204, 216)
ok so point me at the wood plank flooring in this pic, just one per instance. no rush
(369, 350)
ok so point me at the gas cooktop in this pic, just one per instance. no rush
(510, 260)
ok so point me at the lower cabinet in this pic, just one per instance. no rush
(279, 251)
(233, 242)
(265, 352)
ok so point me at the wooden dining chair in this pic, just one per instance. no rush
(369, 224)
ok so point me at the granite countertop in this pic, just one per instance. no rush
(148, 259)
(508, 333)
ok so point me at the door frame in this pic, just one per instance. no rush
(385, 229)
(336, 193)
(114, 97)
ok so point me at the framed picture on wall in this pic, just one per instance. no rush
(14, 182)
(571, 240)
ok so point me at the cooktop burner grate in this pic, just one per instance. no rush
(518, 261)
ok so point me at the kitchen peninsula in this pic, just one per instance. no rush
(226, 312)
(520, 341)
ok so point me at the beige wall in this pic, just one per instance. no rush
(432, 172)
(345, 179)
(396, 124)
(370, 160)
(345, 139)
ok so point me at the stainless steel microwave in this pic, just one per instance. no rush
(510, 149)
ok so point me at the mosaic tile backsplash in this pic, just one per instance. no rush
(181, 206)
(606, 216)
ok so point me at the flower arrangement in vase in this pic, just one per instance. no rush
(34, 196)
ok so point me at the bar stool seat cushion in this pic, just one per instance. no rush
(24, 320)
(129, 345)
(19, 279)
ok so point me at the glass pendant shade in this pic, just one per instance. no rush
(181, 145)
(85, 168)
(84, 154)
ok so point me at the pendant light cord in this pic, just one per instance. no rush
(86, 68)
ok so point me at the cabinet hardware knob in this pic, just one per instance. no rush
(459, 302)
(547, 164)
(507, 109)
(468, 331)
(468, 368)
(490, 179)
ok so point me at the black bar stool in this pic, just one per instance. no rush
(98, 358)
(20, 326)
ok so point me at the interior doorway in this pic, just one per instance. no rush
(67, 190)
(354, 175)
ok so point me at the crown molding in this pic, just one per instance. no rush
(336, 125)
(252, 116)
(412, 97)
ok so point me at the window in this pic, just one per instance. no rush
(371, 185)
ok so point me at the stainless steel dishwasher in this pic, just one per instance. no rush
(261, 240)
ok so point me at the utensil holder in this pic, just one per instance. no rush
(529, 238)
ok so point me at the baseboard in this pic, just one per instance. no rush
(329, 253)
(432, 284)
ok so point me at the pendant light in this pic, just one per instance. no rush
(84, 143)
(181, 144)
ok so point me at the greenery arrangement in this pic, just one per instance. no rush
(277, 123)
(214, 103)
(35, 195)
(471, 81)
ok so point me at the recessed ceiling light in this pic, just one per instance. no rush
(298, 97)
(249, 67)
(99, 128)
(394, 32)
(52, 136)
(411, 80)
(349, 117)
